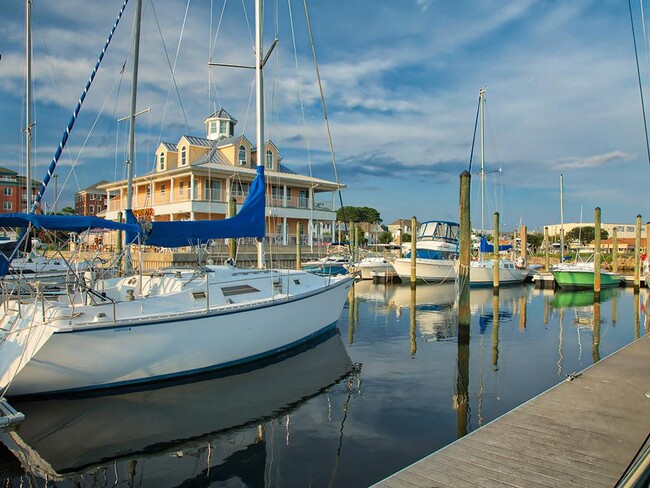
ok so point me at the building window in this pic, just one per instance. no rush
(242, 155)
(162, 161)
(162, 189)
(181, 188)
(6, 191)
(213, 127)
(269, 159)
(6, 205)
(148, 191)
(91, 210)
(223, 127)
(92, 197)
(183, 156)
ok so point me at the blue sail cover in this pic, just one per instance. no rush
(69, 223)
(249, 222)
(485, 247)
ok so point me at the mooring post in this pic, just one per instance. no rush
(614, 250)
(495, 260)
(464, 315)
(413, 250)
(232, 243)
(595, 352)
(597, 254)
(637, 255)
(524, 244)
(298, 249)
(547, 262)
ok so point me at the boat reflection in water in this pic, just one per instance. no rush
(210, 428)
(436, 305)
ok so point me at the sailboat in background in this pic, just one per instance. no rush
(142, 328)
(481, 271)
(578, 274)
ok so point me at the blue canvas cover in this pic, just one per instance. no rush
(249, 222)
(485, 247)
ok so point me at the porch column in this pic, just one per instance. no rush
(284, 195)
(171, 190)
(285, 232)
(192, 196)
(311, 231)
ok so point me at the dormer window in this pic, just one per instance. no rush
(242, 155)
(183, 156)
(162, 161)
(269, 159)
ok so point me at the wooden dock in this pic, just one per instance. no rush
(583, 432)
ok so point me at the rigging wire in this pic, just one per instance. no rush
(172, 69)
(638, 72)
(327, 124)
(471, 154)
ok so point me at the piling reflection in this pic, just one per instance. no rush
(210, 429)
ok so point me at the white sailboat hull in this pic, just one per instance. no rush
(481, 273)
(152, 346)
(431, 270)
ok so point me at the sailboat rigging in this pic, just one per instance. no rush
(142, 328)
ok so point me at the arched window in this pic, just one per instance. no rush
(269, 159)
(242, 155)
(162, 161)
(183, 156)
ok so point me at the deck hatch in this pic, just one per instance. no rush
(229, 291)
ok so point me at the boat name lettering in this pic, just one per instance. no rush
(122, 329)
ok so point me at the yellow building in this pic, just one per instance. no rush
(196, 177)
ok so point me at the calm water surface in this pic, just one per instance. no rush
(392, 385)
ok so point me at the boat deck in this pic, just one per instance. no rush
(583, 432)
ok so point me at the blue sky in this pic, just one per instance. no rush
(401, 82)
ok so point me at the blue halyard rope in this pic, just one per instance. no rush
(66, 133)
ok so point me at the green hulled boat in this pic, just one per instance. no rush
(581, 276)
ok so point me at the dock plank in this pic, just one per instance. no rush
(579, 433)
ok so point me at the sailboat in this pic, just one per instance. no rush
(579, 274)
(481, 271)
(142, 328)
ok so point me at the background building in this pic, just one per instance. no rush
(13, 191)
(91, 200)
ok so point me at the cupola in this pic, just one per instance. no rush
(219, 125)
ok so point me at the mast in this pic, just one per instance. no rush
(259, 105)
(561, 218)
(481, 95)
(28, 104)
(134, 92)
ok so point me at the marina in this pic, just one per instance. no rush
(400, 386)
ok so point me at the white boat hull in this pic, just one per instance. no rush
(140, 349)
(481, 273)
(430, 270)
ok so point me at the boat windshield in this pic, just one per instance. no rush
(439, 231)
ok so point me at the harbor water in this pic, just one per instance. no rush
(389, 386)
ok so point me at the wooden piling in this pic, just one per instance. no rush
(496, 256)
(298, 247)
(637, 255)
(413, 250)
(547, 261)
(414, 345)
(524, 244)
(232, 243)
(614, 250)
(464, 315)
(595, 349)
(597, 254)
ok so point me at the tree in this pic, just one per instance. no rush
(386, 237)
(358, 214)
(68, 211)
(535, 240)
(585, 234)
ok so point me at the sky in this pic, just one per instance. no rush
(400, 81)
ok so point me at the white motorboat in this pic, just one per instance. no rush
(436, 249)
